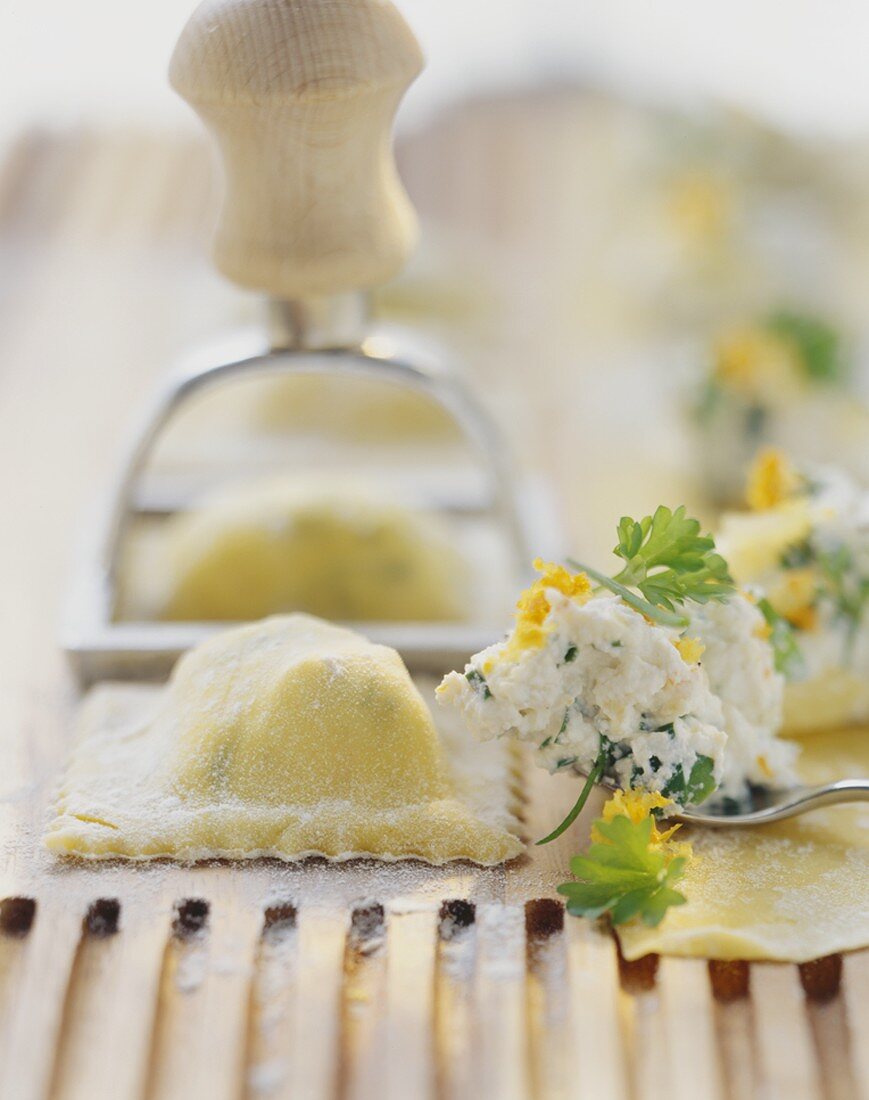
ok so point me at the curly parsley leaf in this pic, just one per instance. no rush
(667, 561)
(624, 875)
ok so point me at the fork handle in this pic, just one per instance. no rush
(801, 802)
(831, 794)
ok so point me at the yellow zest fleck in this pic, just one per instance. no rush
(525, 635)
(533, 606)
(763, 631)
(575, 585)
(806, 618)
(634, 804)
(763, 764)
(793, 598)
(756, 364)
(690, 649)
(772, 480)
(637, 805)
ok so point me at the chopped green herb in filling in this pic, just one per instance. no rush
(700, 784)
(478, 680)
(844, 586)
(787, 653)
(797, 556)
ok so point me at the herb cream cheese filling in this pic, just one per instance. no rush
(683, 711)
(806, 546)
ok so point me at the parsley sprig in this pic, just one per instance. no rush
(667, 561)
(593, 778)
(624, 875)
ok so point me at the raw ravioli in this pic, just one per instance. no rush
(341, 552)
(789, 892)
(287, 738)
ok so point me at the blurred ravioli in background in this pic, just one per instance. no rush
(318, 545)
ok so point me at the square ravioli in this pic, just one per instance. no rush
(288, 738)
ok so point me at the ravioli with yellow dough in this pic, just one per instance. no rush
(287, 738)
(788, 892)
(339, 551)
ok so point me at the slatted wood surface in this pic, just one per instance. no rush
(314, 982)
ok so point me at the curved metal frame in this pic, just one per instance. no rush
(368, 359)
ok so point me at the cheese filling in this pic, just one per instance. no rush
(683, 712)
(808, 551)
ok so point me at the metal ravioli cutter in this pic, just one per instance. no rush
(314, 216)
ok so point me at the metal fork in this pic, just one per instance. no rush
(769, 806)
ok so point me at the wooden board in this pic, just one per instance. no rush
(313, 981)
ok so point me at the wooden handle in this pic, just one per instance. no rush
(300, 96)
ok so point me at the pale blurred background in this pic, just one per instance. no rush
(645, 231)
(801, 64)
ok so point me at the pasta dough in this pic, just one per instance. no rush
(283, 545)
(287, 738)
(788, 892)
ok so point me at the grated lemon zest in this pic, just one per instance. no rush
(637, 805)
(533, 606)
(772, 480)
(793, 597)
(690, 650)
